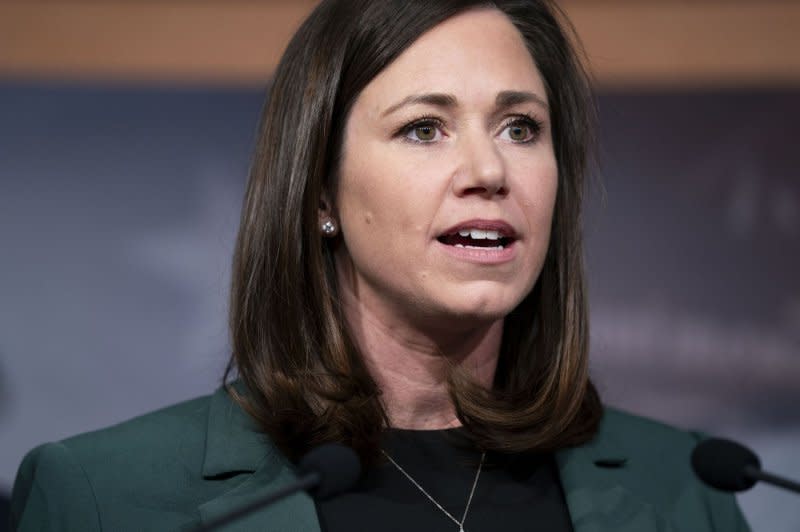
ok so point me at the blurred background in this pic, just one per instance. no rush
(125, 135)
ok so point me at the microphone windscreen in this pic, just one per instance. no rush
(338, 467)
(722, 464)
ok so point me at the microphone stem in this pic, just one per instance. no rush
(758, 474)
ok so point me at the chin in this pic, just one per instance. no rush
(484, 306)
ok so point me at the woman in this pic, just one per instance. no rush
(407, 281)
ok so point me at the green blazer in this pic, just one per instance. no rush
(187, 464)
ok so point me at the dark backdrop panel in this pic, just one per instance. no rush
(693, 251)
(118, 209)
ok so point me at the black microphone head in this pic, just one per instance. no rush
(338, 467)
(722, 464)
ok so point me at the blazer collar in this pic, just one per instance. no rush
(593, 476)
(251, 467)
(233, 441)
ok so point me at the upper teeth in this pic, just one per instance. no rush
(478, 234)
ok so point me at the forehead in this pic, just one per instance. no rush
(473, 55)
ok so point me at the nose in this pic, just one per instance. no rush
(482, 171)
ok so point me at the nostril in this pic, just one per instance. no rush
(485, 191)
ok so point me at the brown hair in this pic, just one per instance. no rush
(306, 382)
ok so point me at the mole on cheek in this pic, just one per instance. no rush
(368, 218)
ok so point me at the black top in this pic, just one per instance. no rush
(520, 492)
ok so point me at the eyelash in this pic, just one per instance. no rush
(524, 119)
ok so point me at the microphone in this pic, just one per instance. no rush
(334, 469)
(729, 466)
(324, 472)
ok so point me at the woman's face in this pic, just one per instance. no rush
(448, 178)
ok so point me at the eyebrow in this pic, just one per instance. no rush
(511, 98)
(437, 99)
(504, 99)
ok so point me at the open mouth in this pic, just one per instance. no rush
(476, 239)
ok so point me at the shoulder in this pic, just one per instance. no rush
(82, 478)
(174, 432)
(51, 481)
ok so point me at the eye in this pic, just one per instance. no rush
(423, 131)
(522, 129)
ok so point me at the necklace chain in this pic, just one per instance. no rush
(428, 495)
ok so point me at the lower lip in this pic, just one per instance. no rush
(481, 255)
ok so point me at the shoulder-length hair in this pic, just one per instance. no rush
(306, 382)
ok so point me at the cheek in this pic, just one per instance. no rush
(548, 194)
(539, 188)
(385, 222)
(382, 191)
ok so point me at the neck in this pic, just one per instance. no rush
(410, 365)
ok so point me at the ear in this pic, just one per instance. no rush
(325, 207)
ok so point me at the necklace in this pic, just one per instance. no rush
(428, 495)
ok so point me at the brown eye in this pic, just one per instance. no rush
(519, 132)
(423, 131)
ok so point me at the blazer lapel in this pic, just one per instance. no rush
(293, 514)
(597, 500)
(236, 450)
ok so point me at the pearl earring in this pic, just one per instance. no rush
(328, 228)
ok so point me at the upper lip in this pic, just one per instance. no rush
(505, 229)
